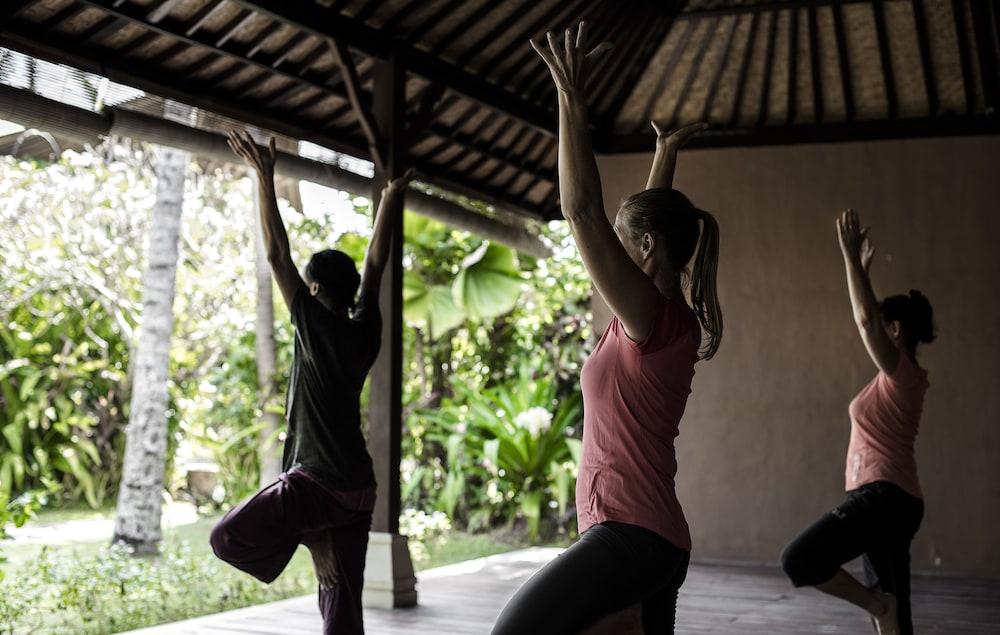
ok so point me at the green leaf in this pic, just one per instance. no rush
(489, 283)
(430, 307)
(13, 435)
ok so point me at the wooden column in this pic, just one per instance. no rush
(385, 405)
(389, 578)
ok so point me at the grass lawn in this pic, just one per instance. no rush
(90, 589)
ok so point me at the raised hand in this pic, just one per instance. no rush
(568, 63)
(676, 139)
(400, 183)
(852, 237)
(243, 145)
(867, 252)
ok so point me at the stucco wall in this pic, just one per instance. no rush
(762, 445)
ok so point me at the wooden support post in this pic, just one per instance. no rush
(389, 579)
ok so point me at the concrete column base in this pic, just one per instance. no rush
(389, 579)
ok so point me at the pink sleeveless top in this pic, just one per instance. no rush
(634, 394)
(885, 417)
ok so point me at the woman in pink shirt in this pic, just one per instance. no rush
(634, 546)
(884, 505)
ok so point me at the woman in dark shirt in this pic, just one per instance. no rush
(324, 497)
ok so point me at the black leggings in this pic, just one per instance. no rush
(612, 567)
(877, 521)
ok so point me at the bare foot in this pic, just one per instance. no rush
(324, 562)
(886, 621)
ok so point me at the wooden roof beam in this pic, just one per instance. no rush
(345, 62)
(962, 39)
(817, 85)
(926, 58)
(765, 80)
(888, 76)
(668, 71)
(309, 16)
(764, 7)
(693, 73)
(986, 47)
(741, 81)
(713, 88)
(845, 64)
(651, 40)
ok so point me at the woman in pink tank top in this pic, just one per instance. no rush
(884, 504)
(635, 545)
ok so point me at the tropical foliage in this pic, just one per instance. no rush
(486, 330)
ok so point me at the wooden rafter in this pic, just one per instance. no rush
(361, 110)
(462, 27)
(820, 133)
(515, 49)
(668, 71)
(313, 18)
(926, 60)
(793, 57)
(537, 85)
(986, 47)
(713, 86)
(498, 29)
(682, 95)
(657, 31)
(741, 81)
(817, 86)
(626, 53)
(763, 7)
(888, 76)
(433, 19)
(765, 80)
(962, 38)
(428, 108)
(844, 62)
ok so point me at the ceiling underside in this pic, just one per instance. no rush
(480, 105)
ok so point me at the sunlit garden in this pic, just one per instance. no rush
(493, 343)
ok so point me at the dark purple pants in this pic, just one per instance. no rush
(261, 534)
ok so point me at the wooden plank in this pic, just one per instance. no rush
(741, 82)
(986, 48)
(693, 73)
(765, 88)
(668, 71)
(926, 59)
(817, 82)
(713, 89)
(468, 597)
(793, 65)
(844, 62)
(962, 39)
(888, 76)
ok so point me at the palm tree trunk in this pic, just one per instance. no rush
(267, 387)
(137, 521)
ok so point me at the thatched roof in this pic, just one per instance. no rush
(480, 106)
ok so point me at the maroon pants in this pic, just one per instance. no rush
(261, 534)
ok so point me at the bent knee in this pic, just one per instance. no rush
(220, 540)
(805, 568)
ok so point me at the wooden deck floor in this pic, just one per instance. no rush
(466, 598)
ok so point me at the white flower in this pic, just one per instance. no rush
(536, 420)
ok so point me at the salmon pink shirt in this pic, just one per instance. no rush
(634, 394)
(885, 417)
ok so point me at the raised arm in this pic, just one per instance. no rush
(390, 204)
(631, 294)
(661, 173)
(858, 252)
(275, 238)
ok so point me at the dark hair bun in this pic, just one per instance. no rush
(921, 318)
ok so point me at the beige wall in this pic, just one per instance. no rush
(762, 444)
